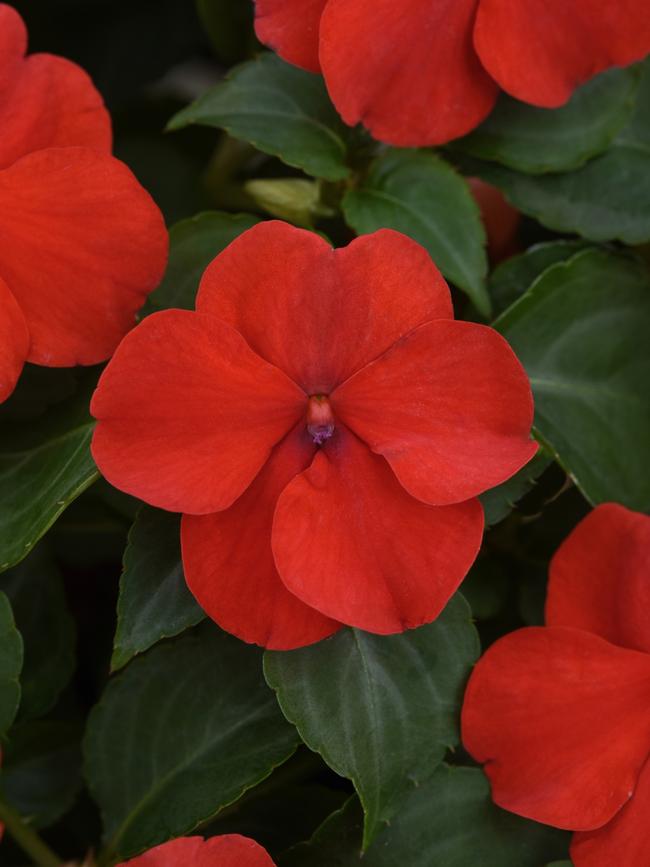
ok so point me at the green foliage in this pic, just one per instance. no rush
(11, 662)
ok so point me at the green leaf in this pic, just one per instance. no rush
(11, 662)
(154, 601)
(500, 501)
(193, 244)
(510, 279)
(421, 195)
(536, 140)
(281, 110)
(228, 23)
(607, 199)
(179, 734)
(47, 629)
(581, 332)
(41, 769)
(447, 821)
(44, 466)
(381, 710)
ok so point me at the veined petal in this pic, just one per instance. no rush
(624, 840)
(81, 246)
(14, 341)
(561, 719)
(450, 408)
(349, 541)
(290, 27)
(229, 564)
(600, 578)
(541, 50)
(188, 414)
(321, 314)
(45, 101)
(408, 71)
(227, 850)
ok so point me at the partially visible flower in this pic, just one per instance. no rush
(81, 243)
(560, 715)
(228, 850)
(421, 72)
(325, 425)
(500, 219)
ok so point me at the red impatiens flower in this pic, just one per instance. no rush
(561, 714)
(420, 72)
(81, 243)
(500, 219)
(228, 850)
(325, 425)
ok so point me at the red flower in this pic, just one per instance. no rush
(500, 219)
(81, 243)
(325, 425)
(228, 850)
(420, 72)
(561, 714)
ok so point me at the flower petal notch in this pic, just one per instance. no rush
(226, 850)
(81, 242)
(560, 714)
(423, 72)
(254, 416)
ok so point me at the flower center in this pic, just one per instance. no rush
(320, 418)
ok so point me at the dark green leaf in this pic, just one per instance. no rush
(179, 734)
(512, 278)
(381, 710)
(420, 195)
(500, 501)
(485, 587)
(282, 110)
(154, 601)
(36, 592)
(447, 821)
(11, 661)
(44, 465)
(535, 140)
(581, 332)
(607, 199)
(193, 245)
(41, 769)
(228, 24)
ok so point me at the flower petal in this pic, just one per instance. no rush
(624, 840)
(450, 408)
(227, 850)
(600, 577)
(188, 414)
(290, 27)
(349, 541)
(562, 720)
(229, 564)
(408, 71)
(81, 246)
(45, 101)
(321, 314)
(14, 341)
(541, 50)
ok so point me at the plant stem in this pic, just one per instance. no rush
(27, 838)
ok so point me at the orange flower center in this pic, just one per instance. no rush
(320, 418)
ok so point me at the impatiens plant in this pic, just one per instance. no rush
(284, 490)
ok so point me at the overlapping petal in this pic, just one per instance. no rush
(290, 27)
(81, 246)
(624, 840)
(321, 314)
(349, 541)
(188, 414)
(14, 341)
(227, 850)
(408, 71)
(561, 719)
(229, 564)
(541, 50)
(600, 577)
(450, 408)
(45, 101)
